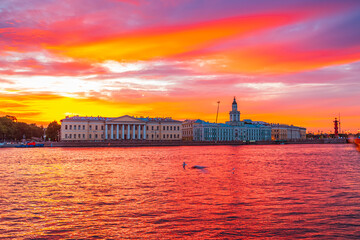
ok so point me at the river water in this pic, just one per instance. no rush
(246, 192)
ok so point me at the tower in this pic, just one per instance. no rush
(336, 122)
(234, 113)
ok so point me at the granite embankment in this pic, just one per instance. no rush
(145, 143)
(185, 143)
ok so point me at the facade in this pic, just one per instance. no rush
(82, 128)
(233, 130)
(163, 129)
(122, 128)
(188, 130)
(126, 128)
(247, 130)
(205, 131)
(282, 132)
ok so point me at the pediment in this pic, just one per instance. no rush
(125, 119)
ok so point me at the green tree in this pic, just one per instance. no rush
(7, 128)
(10, 129)
(53, 130)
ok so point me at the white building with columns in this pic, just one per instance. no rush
(123, 128)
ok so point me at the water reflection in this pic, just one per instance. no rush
(275, 192)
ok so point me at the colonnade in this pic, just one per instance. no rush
(125, 131)
(224, 134)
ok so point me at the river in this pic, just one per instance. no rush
(245, 192)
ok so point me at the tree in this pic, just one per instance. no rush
(10, 129)
(7, 128)
(53, 130)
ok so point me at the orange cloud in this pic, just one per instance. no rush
(168, 42)
(278, 59)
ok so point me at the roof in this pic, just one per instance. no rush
(190, 120)
(202, 122)
(78, 118)
(274, 125)
(167, 119)
(234, 102)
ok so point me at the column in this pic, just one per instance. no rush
(128, 131)
(117, 131)
(139, 130)
(112, 131)
(122, 131)
(106, 131)
(144, 133)
(133, 131)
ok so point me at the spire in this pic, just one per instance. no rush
(234, 102)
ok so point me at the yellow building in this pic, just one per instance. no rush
(188, 130)
(121, 129)
(163, 129)
(282, 132)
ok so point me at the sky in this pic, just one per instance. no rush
(293, 62)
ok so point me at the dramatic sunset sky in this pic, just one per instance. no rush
(287, 61)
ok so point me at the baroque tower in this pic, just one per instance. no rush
(234, 113)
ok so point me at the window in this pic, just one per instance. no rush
(152, 136)
(171, 128)
(102, 135)
(167, 135)
(147, 135)
(96, 136)
(167, 128)
(152, 127)
(83, 127)
(90, 127)
(178, 135)
(70, 134)
(157, 128)
(83, 135)
(96, 127)
(79, 135)
(170, 135)
(74, 135)
(70, 127)
(65, 127)
(178, 128)
(66, 136)
(164, 136)
(164, 128)
(147, 128)
(89, 135)
(102, 127)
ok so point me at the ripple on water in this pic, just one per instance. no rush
(278, 192)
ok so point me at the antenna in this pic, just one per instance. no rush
(217, 113)
(339, 124)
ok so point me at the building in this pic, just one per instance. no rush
(234, 113)
(123, 128)
(162, 128)
(283, 132)
(247, 130)
(188, 130)
(127, 128)
(217, 132)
